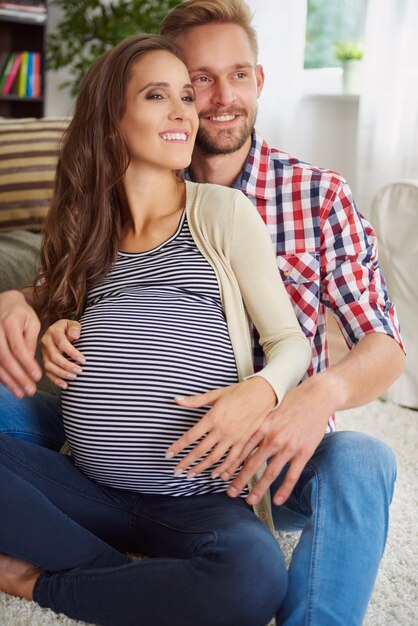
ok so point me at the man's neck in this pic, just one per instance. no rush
(219, 169)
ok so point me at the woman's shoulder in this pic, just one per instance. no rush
(216, 201)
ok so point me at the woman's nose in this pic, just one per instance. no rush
(178, 111)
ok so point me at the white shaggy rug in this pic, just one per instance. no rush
(395, 597)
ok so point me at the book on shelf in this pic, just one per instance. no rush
(26, 5)
(22, 79)
(33, 87)
(38, 15)
(12, 70)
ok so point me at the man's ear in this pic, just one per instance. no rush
(259, 75)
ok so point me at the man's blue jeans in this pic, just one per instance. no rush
(340, 503)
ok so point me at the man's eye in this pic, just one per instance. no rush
(201, 79)
(241, 75)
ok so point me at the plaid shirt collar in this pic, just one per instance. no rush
(257, 178)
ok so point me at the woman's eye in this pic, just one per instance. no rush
(188, 98)
(154, 96)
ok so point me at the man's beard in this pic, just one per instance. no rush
(225, 141)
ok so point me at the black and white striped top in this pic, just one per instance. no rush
(152, 329)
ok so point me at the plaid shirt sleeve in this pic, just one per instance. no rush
(352, 281)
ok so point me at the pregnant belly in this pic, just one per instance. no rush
(119, 414)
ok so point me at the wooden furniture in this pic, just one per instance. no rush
(23, 31)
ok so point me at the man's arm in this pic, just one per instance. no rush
(19, 330)
(353, 286)
(296, 427)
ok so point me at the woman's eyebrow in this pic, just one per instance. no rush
(163, 84)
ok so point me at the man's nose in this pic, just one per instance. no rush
(223, 93)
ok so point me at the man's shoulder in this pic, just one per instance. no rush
(294, 166)
(289, 167)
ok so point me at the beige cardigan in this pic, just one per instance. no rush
(232, 236)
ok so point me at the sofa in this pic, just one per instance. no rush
(28, 156)
(394, 215)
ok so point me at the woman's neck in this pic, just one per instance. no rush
(153, 195)
(155, 206)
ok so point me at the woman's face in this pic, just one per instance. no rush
(160, 120)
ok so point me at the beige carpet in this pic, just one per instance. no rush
(395, 597)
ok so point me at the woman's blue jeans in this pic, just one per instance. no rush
(340, 503)
(213, 562)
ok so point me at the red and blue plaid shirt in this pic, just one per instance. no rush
(326, 250)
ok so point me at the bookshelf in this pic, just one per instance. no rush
(23, 31)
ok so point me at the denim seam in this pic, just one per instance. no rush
(27, 432)
(314, 554)
(66, 487)
(166, 524)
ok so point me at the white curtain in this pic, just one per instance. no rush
(388, 116)
(281, 26)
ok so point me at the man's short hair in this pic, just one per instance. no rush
(190, 13)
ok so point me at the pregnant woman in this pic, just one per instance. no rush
(162, 275)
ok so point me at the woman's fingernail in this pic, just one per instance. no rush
(30, 389)
(215, 475)
(169, 455)
(191, 475)
(62, 385)
(179, 397)
(251, 499)
(71, 376)
(77, 370)
(225, 476)
(232, 492)
(81, 360)
(178, 472)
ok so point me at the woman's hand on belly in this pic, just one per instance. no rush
(57, 342)
(237, 413)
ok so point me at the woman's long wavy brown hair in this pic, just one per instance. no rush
(89, 204)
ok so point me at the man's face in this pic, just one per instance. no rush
(227, 84)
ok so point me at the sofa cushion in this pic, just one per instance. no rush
(19, 259)
(28, 156)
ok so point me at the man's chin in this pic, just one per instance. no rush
(220, 144)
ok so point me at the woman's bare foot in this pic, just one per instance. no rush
(18, 578)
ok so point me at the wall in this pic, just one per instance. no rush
(58, 101)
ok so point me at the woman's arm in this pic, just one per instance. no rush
(239, 410)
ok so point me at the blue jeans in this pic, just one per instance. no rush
(213, 562)
(340, 503)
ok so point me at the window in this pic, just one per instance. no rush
(330, 22)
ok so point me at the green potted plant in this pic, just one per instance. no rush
(88, 28)
(350, 54)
